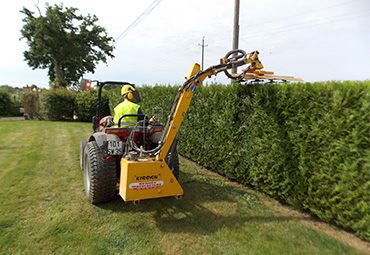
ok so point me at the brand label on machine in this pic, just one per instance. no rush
(149, 177)
(146, 185)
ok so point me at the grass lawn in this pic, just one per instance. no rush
(43, 209)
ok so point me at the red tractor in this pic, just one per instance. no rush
(101, 154)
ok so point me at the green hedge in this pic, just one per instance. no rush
(57, 104)
(85, 104)
(305, 144)
(207, 133)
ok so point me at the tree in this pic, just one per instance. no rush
(68, 44)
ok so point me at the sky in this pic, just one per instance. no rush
(315, 40)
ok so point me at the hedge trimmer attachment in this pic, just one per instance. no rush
(253, 72)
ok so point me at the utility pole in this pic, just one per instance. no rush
(236, 29)
(202, 45)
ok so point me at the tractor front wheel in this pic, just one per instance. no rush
(100, 176)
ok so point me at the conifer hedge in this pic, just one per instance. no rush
(152, 97)
(305, 144)
(85, 104)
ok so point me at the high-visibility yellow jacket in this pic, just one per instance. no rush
(126, 107)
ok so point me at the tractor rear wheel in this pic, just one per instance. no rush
(100, 176)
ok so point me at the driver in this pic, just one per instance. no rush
(129, 106)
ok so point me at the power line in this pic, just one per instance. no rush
(282, 29)
(312, 23)
(307, 12)
(175, 55)
(301, 25)
(137, 21)
(259, 24)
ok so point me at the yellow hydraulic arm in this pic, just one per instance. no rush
(149, 176)
(195, 78)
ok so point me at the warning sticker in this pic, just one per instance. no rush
(145, 185)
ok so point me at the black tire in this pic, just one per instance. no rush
(100, 176)
(82, 153)
(172, 160)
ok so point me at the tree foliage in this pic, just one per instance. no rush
(11, 90)
(67, 44)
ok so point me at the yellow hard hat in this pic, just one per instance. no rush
(131, 93)
(127, 89)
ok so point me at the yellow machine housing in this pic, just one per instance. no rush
(144, 179)
(151, 177)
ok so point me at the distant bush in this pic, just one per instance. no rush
(86, 102)
(57, 104)
(8, 105)
(5, 103)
